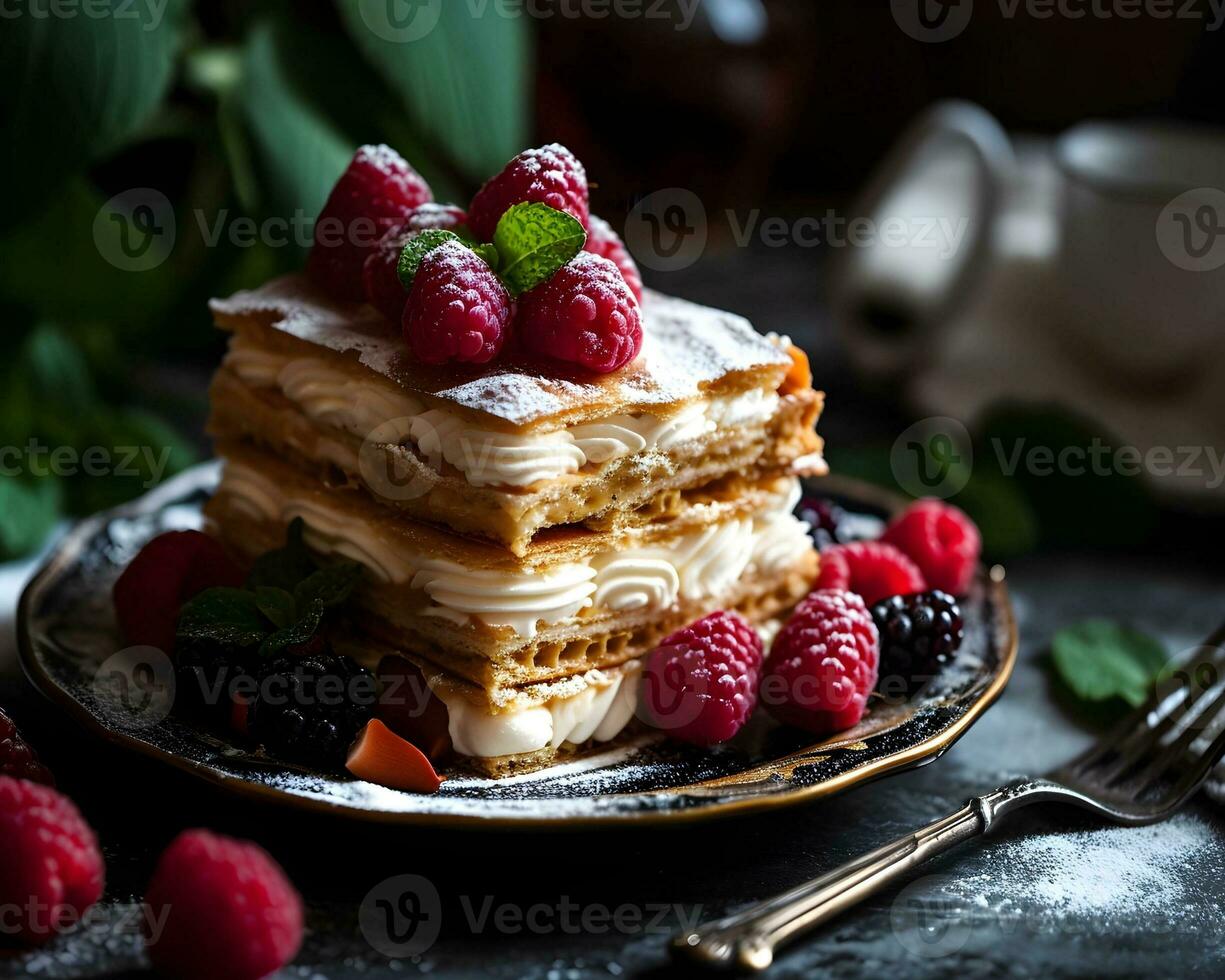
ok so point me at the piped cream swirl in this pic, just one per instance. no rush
(701, 565)
(519, 600)
(486, 457)
(599, 712)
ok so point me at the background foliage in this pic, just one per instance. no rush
(230, 109)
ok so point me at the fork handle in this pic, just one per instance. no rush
(748, 939)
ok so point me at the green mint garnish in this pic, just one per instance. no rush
(282, 604)
(1100, 660)
(285, 567)
(228, 616)
(416, 249)
(489, 252)
(533, 242)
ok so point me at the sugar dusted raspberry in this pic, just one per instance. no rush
(51, 870)
(167, 572)
(604, 242)
(870, 569)
(457, 309)
(823, 663)
(17, 759)
(585, 314)
(379, 277)
(377, 191)
(220, 907)
(549, 175)
(700, 684)
(941, 540)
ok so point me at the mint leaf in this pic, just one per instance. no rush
(1100, 659)
(489, 254)
(277, 605)
(223, 615)
(417, 248)
(285, 567)
(292, 635)
(331, 586)
(533, 242)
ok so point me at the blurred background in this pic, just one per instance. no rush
(1034, 270)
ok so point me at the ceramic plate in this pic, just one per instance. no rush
(69, 643)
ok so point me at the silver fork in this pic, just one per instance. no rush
(1140, 773)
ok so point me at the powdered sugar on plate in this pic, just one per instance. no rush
(1147, 878)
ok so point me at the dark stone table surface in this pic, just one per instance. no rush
(1053, 894)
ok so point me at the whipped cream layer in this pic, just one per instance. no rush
(702, 565)
(486, 457)
(599, 711)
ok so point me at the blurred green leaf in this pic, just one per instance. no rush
(29, 509)
(72, 88)
(301, 156)
(54, 265)
(1071, 508)
(1099, 659)
(461, 71)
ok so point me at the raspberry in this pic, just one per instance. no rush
(822, 666)
(605, 242)
(869, 569)
(918, 635)
(941, 540)
(549, 175)
(585, 314)
(167, 572)
(220, 907)
(17, 759)
(383, 287)
(377, 191)
(52, 870)
(457, 309)
(700, 684)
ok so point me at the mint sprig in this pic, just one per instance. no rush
(533, 242)
(282, 604)
(417, 248)
(1100, 660)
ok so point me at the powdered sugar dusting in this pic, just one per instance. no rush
(1100, 879)
(686, 349)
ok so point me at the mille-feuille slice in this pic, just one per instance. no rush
(505, 452)
(578, 600)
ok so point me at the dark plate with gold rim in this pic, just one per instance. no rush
(71, 652)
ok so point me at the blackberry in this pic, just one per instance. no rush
(919, 634)
(825, 518)
(310, 707)
(205, 672)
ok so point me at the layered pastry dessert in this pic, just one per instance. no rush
(530, 525)
(508, 502)
(527, 539)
